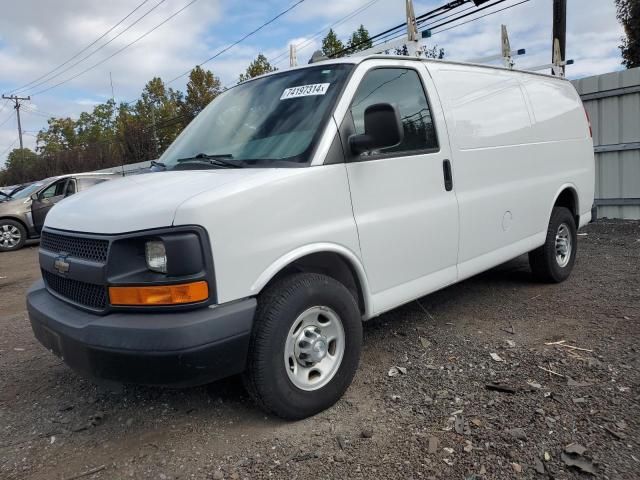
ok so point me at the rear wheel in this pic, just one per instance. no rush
(305, 345)
(12, 235)
(554, 261)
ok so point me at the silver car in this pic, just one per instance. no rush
(22, 216)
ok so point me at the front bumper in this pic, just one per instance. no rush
(173, 349)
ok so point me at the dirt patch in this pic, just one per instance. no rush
(438, 420)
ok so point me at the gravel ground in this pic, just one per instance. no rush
(472, 395)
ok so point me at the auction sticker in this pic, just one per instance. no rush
(305, 90)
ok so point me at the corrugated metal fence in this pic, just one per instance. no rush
(613, 103)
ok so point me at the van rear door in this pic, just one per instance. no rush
(405, 211)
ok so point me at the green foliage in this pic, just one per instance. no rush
(331, 45)
(58, 136)
(157, 108)
(202, 88)
(20, 163)
(258, 67)
(629, 16)
(359, 40)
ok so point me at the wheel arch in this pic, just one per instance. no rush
(567, 196)
(329, 259)
(16, 219)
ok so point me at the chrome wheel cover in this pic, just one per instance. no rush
(563, 245)
(314, 348)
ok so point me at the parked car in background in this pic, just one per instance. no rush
(300, 203)
(22, 214)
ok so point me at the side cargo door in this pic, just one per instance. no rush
(403, 197)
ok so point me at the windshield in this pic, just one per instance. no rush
(26, 191)
(271, 121)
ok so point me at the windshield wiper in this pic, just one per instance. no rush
(217, 160)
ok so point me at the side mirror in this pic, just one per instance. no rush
(34, 197)
(382, 129)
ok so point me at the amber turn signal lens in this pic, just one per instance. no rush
(160, 294)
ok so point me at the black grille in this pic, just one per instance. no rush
(90, 248)
(87, 294)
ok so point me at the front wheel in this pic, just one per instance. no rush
(305, 345)
(554, 261)
(12, 235)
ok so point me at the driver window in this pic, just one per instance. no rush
(400, 87)
(54, 190)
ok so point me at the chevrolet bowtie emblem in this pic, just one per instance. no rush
(61, 265)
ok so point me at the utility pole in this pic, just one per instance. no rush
(559, 41)
(293, 57)
(111, 82)
(17, 106)
(156, 141)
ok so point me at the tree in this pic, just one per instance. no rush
(359, 40)
(629, 16)
(202, 88)
(258, 67)
(331, 45)
(21, 164)
(159, 108)
(59, 135)
(97, 126)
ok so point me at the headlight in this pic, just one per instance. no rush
(156, 256)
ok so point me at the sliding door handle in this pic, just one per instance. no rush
(448, 177)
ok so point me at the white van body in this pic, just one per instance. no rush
(421, 173)
(516, 141)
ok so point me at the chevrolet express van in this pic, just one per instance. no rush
(299, 204)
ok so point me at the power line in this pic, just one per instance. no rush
(97, 49)
(485, 15)
(120, 50)
(340, 21)
(475, 11)
(83, 50)
(430, 27)
(41, 114)
(4, 105)
(229, 47)
(6, 119)
(470, 7)
(436, 12)
(8, 148)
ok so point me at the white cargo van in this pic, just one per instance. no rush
(300, 203)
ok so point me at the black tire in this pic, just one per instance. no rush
(266, 378)
(543, 260)
(11, 227)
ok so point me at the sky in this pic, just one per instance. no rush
(36, 36)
